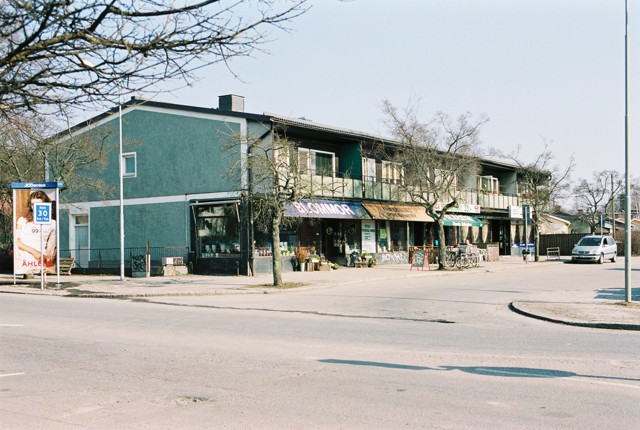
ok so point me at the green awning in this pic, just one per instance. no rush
(461, 220)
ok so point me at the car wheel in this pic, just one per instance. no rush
(601, 259)
(615, 256)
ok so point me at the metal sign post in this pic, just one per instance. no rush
(525, 215)
(42, 216)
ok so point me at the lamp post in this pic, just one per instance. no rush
(120, 174)
(627, 182)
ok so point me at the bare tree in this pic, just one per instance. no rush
(274, 179)
(28, 153)
(61, 52)
(594, 196)
(541, 182)
(437, 158)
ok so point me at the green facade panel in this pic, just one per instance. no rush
(162, 224)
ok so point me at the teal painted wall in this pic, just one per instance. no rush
(177, 155)
(164, 224)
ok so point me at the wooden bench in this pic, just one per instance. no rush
(553, 253)
(66, 264)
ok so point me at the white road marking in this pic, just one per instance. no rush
(11, 374)
(11, 325)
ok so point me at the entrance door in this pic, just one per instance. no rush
(332, 233)
(82, 240)
(501, 232)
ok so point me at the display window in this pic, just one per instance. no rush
(217, 230)
(392, 236)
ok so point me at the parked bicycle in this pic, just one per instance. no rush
(465, 259)
(451, 256)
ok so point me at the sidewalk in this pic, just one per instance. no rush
(577, 308)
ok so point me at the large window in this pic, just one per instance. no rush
(217, 230)
(488, 184)
(392, 236)
(392, 172)
(369, 169)
(317, 162)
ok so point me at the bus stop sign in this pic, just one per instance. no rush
(42, 213)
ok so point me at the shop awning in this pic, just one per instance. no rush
(397, 212)
(325, 209)
(461, 220)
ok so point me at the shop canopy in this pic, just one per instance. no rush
(461, 220)
(325, 209)
(397, 212)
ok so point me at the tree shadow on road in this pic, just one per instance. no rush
(505, 372)
(617, 294)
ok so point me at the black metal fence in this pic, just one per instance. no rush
(107, 260)
(565, 242)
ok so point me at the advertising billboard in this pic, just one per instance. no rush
(35, 233)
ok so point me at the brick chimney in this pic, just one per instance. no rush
(231, 102)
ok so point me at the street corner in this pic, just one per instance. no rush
(603, 315)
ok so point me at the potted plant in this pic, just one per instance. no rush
(301, 257)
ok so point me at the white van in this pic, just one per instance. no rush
(595, 248)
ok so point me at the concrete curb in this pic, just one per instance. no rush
(517, 307)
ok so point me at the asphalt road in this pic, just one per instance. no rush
(443, 352)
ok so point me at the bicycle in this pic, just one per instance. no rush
(451, 256)
(465, 259)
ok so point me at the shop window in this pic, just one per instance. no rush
(217, 230)
(392, 236)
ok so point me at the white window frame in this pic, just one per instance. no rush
(489, 184)
(392, 172)
(126, 156)
(369, 169)
(309, 165)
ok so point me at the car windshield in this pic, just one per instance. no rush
(590, 241)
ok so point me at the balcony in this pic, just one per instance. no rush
(340, 187)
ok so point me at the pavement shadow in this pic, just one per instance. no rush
(617, 294)
(505, 372)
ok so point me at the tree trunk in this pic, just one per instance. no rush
(275, 238)
(442, 246)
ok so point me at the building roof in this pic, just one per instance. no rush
(301, 125)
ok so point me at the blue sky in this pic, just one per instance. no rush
(541, 70)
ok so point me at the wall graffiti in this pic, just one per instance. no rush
(394, 257)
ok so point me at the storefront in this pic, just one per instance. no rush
(397, 228)
(328, 227)
(216, 240)
(459, 228)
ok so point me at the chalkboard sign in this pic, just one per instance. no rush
(418, 259)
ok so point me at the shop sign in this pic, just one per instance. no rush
(397, 212)
(369, 236)
(518, 212)
(325, 209)
(461, 207)
(461, 220)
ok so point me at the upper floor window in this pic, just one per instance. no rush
(392, 172)
(369, 169)
(316, 162)
(129, 168)
(489, 184)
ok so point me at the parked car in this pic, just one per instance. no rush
(595, 249)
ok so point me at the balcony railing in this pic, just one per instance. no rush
(341, 187)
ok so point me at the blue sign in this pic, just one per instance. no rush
(42, 213)
(325, 209)
(31, 185)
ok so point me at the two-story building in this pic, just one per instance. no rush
(179, 193)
